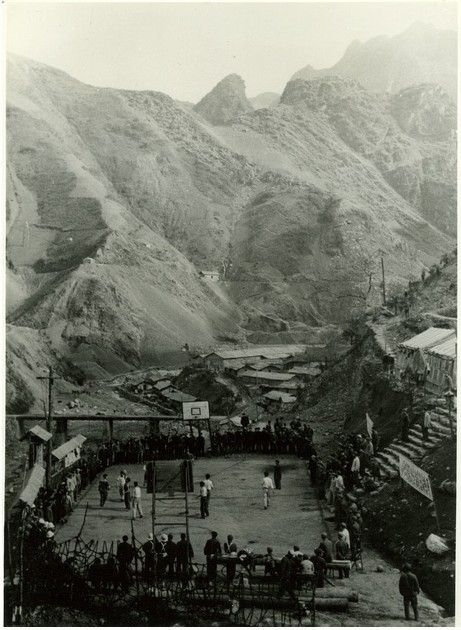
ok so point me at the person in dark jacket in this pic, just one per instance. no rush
(287, 575)
(184, 553)
(405, 425)
(342, 552)
(212, 550)
(127, 493)
(125, 555)
(277, 475)
(103, 489)
(326, 546)
(409, 589)
(171, 555)
(320, 568)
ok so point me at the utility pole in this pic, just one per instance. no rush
(384, 282)
(49, 416)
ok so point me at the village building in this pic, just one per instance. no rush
(441, 359)
(277, 399)
(264, 378)
(431, 355)
(210, 275)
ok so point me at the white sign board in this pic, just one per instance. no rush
(369, 426)
(195, 410)
(415, 477)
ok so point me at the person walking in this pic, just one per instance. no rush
(267, 485)
(103, 489)
(203, 495)
(209, 487)
(121, 484)
(426, 425)
(409, 589)
(278, 475)
(212, 551)
(136, 501)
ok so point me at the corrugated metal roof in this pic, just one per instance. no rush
(430, 337)
(265, 352)
(68, 446)
(308, 371)
(39, 431)
(445, 349)
(276, 395)
(270, 376)
(179, 396)
(33, 485)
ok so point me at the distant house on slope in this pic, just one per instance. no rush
(432, 355)
(210, 275)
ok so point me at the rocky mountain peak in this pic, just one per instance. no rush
(425, 111)
(226, 101)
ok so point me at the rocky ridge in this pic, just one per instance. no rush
(116, 200)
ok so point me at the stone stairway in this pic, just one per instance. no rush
(416, 448)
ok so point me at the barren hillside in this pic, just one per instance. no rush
(117, 199)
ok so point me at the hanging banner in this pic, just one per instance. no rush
(415, 477)
(369, 426)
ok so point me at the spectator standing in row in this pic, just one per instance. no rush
(326, 547)
(277, 475)
(342, 552)
(171, 550)
(185, 553)
(212, 550)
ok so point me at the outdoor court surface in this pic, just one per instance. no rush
(236, 508)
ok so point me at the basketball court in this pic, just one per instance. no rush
(236, 507)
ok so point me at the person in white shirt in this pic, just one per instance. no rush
(203, 500)
(121, 484)
(339, 484)
(345, 532)
(268, 485)
(136, 501)
(355, 469)
(307, 568)
(209, 487)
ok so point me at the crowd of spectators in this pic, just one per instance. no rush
(283, 437)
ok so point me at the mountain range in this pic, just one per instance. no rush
(117, 200)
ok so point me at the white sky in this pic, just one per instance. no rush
(185, 49)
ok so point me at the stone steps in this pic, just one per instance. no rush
(416, 447)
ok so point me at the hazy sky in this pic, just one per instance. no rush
(185, 49)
